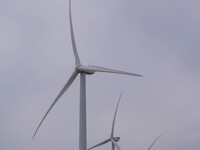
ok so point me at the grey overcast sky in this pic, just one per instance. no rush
(158, 39)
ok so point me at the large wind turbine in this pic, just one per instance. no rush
(83, 71)
(111, 139)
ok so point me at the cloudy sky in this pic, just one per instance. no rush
(158, 39)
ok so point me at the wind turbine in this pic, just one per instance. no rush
(111, 139)
(83, 71)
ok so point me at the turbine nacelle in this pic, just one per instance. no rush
(84, 69)
(116, 139)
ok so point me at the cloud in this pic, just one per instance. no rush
(158, 39)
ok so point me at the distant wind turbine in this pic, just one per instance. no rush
(111, 139)
(83, 71)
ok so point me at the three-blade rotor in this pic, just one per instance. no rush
(79, 69)
(111, 139)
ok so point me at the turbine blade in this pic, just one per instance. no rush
(77, 60)
(104, 142)
(154, 142)
(116, 145)
(67, 85)
(102, 69)
(113, 124)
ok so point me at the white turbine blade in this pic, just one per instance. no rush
(116, 145)
(77, 60)
(154, 142)
(67, 85)
(113, 124)
(104, 142)
(102, 69)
